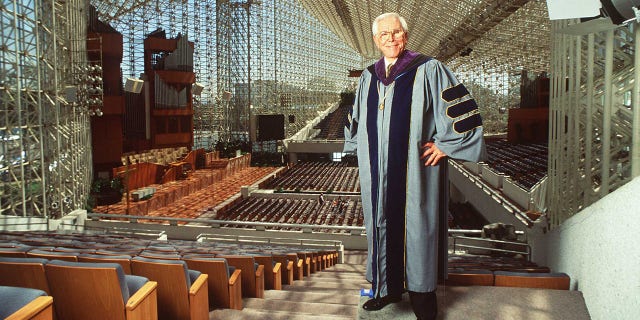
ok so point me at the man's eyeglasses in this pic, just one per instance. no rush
(387, 35)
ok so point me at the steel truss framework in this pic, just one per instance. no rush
(594, 147)
(272, 55)
(275, 58)
(279, 56)
(45, 145)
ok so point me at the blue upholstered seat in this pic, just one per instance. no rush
(14, 298)
(532, 274)
(190, 275)
(128, 284)
(23, 260)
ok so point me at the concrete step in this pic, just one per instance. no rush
(346, 298)
(329, 283)
(345, 267)
(330, 310)
(252, 314)
(337, 275)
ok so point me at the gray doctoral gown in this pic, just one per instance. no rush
(402, 199)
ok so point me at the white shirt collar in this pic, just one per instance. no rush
(387, 62)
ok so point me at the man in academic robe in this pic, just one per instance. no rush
(410, 113)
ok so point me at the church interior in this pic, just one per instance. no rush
(184, 159)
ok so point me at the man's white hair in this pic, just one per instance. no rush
(374, 26)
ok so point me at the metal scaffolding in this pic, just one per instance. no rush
(45, 143)
(594, 142)
(275, 58)
(292, 57)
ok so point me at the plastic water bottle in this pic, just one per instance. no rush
(366, 293)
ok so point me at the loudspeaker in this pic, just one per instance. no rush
(620, 10)
(133, 85)
(197, 88)
(270, 127)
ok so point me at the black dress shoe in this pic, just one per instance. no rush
(424, 304)
(379, 303)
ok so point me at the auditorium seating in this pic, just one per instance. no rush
(272, 271)
(545, 280)
(526, 164)
(252, 274)
(337, 211)
(182, 293)
(24, 272)
(332, 126)
(99, 291)
(461, 277)
(483, 277)
(16, 252)
(123, 260)
(286, 266)
(190, 198)
(225, 282)
(66, 256)
(25, 304)
(317, 176)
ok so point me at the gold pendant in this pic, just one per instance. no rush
(381, 106)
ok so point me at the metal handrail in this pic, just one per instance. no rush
(527, 247)
(216, 223)
(317, 243)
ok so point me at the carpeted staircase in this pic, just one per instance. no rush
(333, 293)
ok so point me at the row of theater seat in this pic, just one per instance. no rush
(526, 164)
(20, 303)
(318, 176)
(192, 197)
(335, 212)
(232, 270)
(546, 280)
(332, 126)
(84, 290)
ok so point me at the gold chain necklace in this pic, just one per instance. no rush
(386, 92)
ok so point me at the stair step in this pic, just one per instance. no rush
(335, 284)
(346, 298)
(338, 275)
(344, 267)
(252, 314)
(307, 307)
